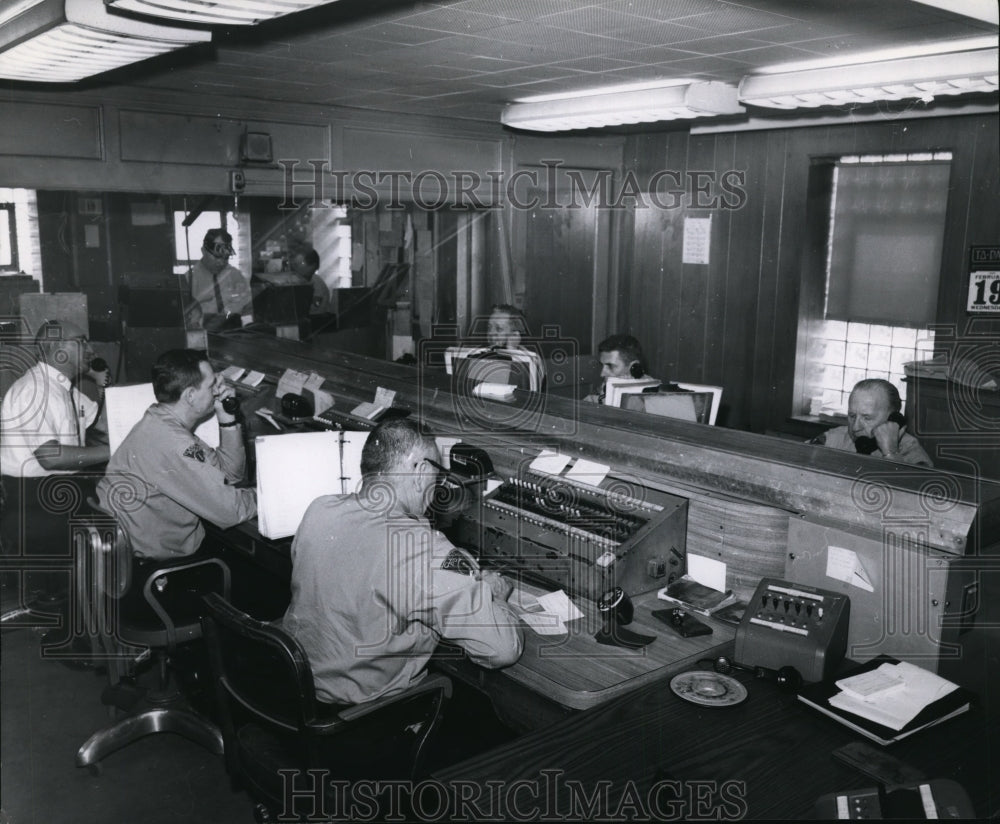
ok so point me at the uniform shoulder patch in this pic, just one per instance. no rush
(196, 452)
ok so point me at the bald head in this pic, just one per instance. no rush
(871, 403)
(64, 346)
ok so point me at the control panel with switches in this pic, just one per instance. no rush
(792, 625)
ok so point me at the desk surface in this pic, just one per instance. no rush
(572, 671)
(769, 757)
(578, 673)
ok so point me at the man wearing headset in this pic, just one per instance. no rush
(620, 357)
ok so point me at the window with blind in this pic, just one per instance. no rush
(885, 218)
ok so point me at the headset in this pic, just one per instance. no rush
(636, 369)
(787, 678)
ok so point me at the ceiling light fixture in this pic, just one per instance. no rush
(615, 108)
(60, 41)
(922, 78)
(217, 12)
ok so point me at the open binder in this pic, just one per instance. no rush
(296, 468)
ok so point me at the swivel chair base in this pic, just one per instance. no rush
(182, 722)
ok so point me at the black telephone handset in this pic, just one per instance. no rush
(867, 445)
(231, 404)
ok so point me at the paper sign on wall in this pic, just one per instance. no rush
(845, 565)
(697, 239)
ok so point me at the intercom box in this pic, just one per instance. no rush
(788, 624)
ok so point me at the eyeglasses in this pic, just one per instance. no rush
(437, 466)
(220, 250)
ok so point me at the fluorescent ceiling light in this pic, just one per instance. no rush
(914, 50)
(58, 41)
(606, 90)
(986, 10)
(614, 108)
(217, 12)
(915, 77)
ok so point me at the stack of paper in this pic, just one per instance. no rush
(546, 614)
(892, 695)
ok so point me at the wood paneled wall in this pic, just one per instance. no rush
(734, 321)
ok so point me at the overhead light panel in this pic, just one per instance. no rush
(217, 12)
(60, 41)
(923, 78)
(616, 108)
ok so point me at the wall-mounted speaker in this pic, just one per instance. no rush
(255, 147)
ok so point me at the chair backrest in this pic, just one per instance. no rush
(258, 666)
(716, 397)
(261, 671)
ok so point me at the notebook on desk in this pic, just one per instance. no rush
(945, 700)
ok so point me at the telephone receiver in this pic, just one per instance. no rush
(635, 370)
(787, 678)
(99, 365)
(866, 445)
(231, 404)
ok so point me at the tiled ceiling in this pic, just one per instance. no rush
(468, 58)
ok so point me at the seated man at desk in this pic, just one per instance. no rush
(370, 600)
(163, 479)
(620, 357)
(505, 331)
(48, 428)
(875, 426)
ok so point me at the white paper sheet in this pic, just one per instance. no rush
(544, 623)
(550, 462)
(126, 405)
(588, 472)
(292, 381)
(845, 565)
(707, 571)
(559, 603)
(292, 471)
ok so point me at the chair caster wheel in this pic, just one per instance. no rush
(262, 815)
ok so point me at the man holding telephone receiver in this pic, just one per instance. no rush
(876, 426)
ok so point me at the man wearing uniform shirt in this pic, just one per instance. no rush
(163, 479)
(370, 599)
(305, 264)
(220, 289)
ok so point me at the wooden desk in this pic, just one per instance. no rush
(560, 674)
(555, 676)
(767, 758)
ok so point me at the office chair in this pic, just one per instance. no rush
(271, 719)
(123, 638)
